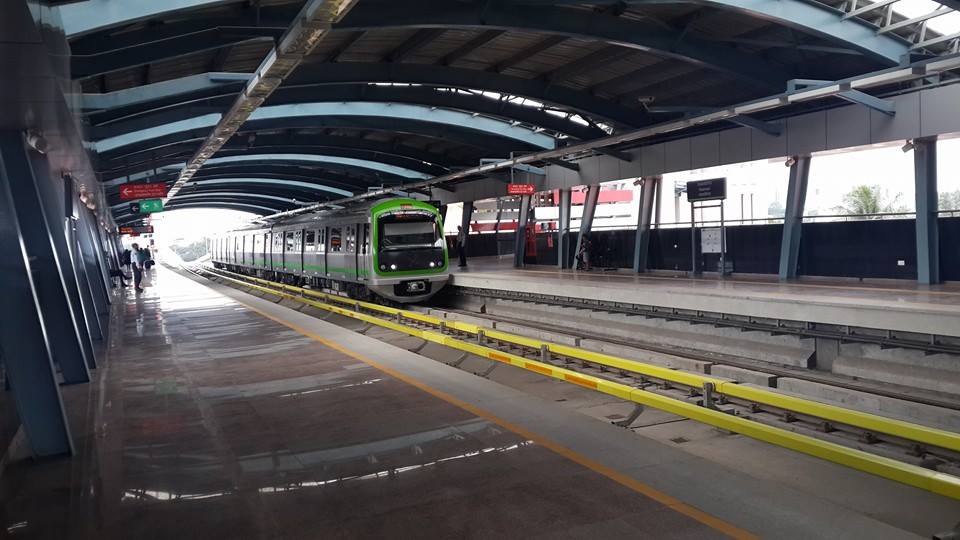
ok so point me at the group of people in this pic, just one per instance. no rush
(138, 260)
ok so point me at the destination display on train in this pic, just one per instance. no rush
(713, 189)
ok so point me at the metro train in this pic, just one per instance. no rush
(392, 248)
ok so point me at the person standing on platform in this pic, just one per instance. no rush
(583, 258)
(136, 261)
(462, 245)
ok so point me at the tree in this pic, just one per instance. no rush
(865, 199)
(950, 200)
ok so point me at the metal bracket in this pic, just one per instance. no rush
(708, 390)
(419, 347)
(458, 361)
(486, 373)
(634, 414)
(365, 329)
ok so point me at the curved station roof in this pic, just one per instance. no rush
(391, 92)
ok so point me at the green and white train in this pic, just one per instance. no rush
(392, 248)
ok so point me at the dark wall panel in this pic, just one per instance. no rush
(950, 249)
(859, 249)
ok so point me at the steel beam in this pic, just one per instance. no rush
(586, 220)
(925, 181)
(84, 284)
(522, 136)
(644, 35)
(418, 40)
(812, 18)
(97, 15)
(24, 341)
(649, 191)
(563, 235)
(139, 96)
(470, 46)
(556, 95)
(520, 240)
(89, 259)
(793, 218)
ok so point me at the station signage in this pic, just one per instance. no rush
(714, 189)
(147, 206)
(145, 229)
(132, 192)
(521, 189)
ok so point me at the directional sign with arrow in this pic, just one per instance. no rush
(132, 192)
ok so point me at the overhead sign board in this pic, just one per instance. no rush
(147, 206)
(132, 192)
(145, 229)
(707, 190)
(521, 189)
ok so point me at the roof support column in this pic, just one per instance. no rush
(586, 220)
(563, 236)
(520, 241)
(24, 342)
(465, 219)
(56, 309)
(793, 218)
(928, 241)
(649, 189)
(83, 281)
(91, 262)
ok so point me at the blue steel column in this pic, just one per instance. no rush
(586, 221)
(928, 240)
(648, 193)
(793, 218)
(24, 344)
(520, 241)
(563, 238)
(92, 230)
(465, 224)
(55, 307)
(88, 256)
(83, 282)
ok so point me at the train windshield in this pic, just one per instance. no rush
(409, 231)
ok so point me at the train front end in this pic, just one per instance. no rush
(409, 261)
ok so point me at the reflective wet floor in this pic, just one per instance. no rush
(209, 420)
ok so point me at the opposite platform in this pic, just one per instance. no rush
(903, 307)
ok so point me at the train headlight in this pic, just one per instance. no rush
(393, 267)
(383, 267)
(432, 264)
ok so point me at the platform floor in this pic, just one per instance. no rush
(221, 415)
(887, 305)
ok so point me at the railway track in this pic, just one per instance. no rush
(879, 389)
(913, 454)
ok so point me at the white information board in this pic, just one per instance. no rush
(710, 240)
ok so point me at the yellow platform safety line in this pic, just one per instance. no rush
(832, 413)
(905, 473)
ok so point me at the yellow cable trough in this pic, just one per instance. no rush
(905, 473)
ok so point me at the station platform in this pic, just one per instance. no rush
(905, 307)
(218, 414)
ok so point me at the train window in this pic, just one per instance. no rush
(322, 240)
(289, 244)
(335, 240)
(298, 241)
(310, 241)
(365, 239)
(351, 240)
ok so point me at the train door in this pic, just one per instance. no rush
(243, 249)
(335, 249)
(264, 249)
(363, 251)
(276, 251)
(322, 251)
(350, 232)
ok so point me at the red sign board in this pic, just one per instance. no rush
(146, 229)
(521, 189)
(132, 192)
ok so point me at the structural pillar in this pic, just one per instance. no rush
(586, 221)
(520, 241)
(793, 218)
(88, 257)
(55, 307)
(563, 237)
(83, 282)
(649, 189)
(24, 342)
(465, 219)
(928, 239)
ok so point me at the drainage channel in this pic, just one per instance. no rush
(917, 455)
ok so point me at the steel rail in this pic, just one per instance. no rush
(936, 482)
